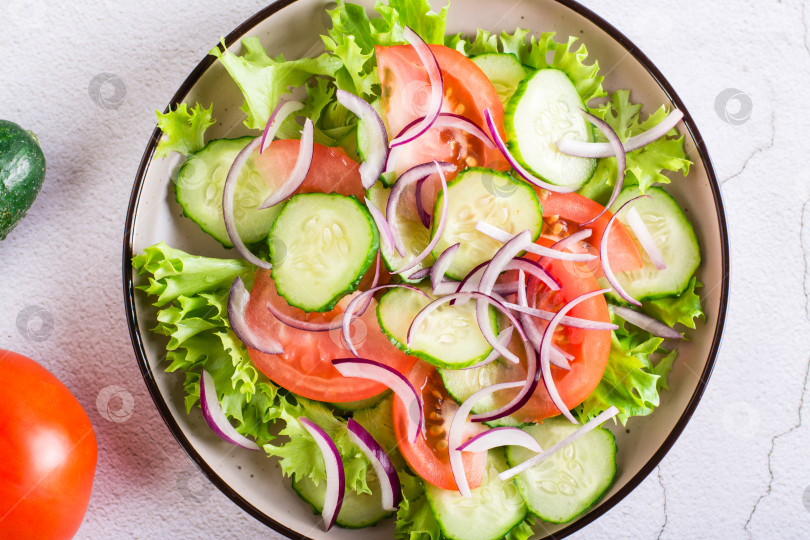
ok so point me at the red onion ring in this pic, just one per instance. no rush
(382, 225)
(504, 337)
(386, 473)
(645, 322)
(299, 172)
(280, 114)
(621, 160)
(424, 216)
(502, 236)
(335, 475)
(372, 167)
(535, 338)
(441, 265)
(645, 238)
(500, 436)
(238, 299)
(573, 322)
(215, 417)
(603, 255)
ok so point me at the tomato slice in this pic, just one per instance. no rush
(467, 92)
(562, 214)
(429, 456)
(590, 348)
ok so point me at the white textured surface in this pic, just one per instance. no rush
(739, 469)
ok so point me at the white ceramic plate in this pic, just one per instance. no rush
(293, 27)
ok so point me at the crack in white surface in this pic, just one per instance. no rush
(756, 152)
(664, 489)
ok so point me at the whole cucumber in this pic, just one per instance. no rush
(22, 171)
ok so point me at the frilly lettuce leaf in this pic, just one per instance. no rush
(523, 531)
(263, 80)
(415, 520)
(417, 15)
(683, 309)
(183, 130)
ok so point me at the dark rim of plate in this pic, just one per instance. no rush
(159, 399)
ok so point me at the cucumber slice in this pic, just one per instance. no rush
(494, 509)
(322, 245)
(544, 109)
(567, 483)
(414, 235)
(504, 70)
(358, 510)
(450, 336)
(484, 195)
(675, 238)
(199, 191)
(461, 384)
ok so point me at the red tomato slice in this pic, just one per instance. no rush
(569, 210)
(429, 456)
(467, 91)
(590, 348)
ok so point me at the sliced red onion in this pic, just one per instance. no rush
(335, 475)
(578, 236)
(238, 299)
(621, 160)
(531, 462)
(424, 216)
(376, 454)
(420, 274)
(407, 178)
(382, 225)
(441, 265)
(602, 150)
(215, 416)
(528, 387)
(280, 114)
(645, 238)
(299, 172)
(504, 337)
(362, 368)
(532, 332)
(505, 288)
(603, 254)
(535, 269)
(529, 177)
(372, 167)
(437, 234)
(573, 322)
(436, 85)
(456, 433)
(348, 315)
(645, 322)
(545, 351)
(501, 436)
(228, 191)
(502, 236)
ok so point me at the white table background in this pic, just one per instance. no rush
(740, 469)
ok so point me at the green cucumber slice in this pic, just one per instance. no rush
(494, 509)
(358, 510)
(322, 245)
(544, 109)
(568, 482)
(461, 384)
(674, 237)
(199, 191)
(414, 235)
(504, 70)
(450, 336)
(495, 197)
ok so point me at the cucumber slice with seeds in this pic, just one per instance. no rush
(358, 509)
(495, 197)
(322, 245)
(504, 70)
(449, 337)
(568, 482)
(493, 510)
(544, 109)
(199, 191)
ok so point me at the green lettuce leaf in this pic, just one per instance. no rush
(173, 272)
(645, 166)
(632, 380)
(183, 130)
(523, 531)
(263, 80)
(683, 309)
(359, 73)
(415, 520)
(534, 53)
(417, 15)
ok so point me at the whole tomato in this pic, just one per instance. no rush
(47, 453)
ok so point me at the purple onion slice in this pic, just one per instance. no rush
(500, 436)
(299, 171)
(504, 337)
(532, 332)
(372, 167)
(645, 322)
(335, 475)
(645, 238)
(386, 473)
(502, 236)
(215, 417)
(573, 322)
(280, 114)
(238, 299)
(603, 255)
(621, 160)
(375, 371)
(441, 265)
(424, 216)
(382, 225)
